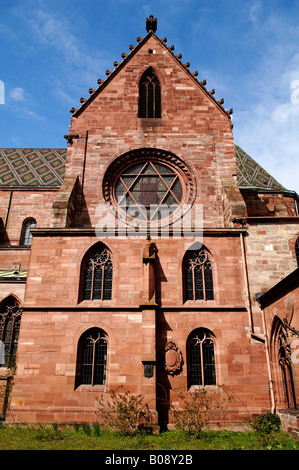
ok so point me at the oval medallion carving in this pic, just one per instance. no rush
(173, 358)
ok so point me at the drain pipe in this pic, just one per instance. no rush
(246, 282)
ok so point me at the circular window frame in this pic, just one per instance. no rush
(168, 159)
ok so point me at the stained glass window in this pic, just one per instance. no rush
(198, 276)
(149, 95)
(149, 190)
(201, 359)
(92, 358)
(98, 275)
(10, 319)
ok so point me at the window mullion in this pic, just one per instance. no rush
(193, 281)
(203, 281)
(146, 100)
(202, 364)
(92, 281)
(93, 362)
(103, 283)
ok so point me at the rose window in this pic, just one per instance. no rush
(149, 190)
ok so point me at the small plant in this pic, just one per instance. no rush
(50, 433)
(124, 412)
(266, 425)
(86, 429)
(198, 408)
(96, 429)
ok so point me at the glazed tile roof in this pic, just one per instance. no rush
(32, 167)
(12, 274)
(250, 173)
(46, 167)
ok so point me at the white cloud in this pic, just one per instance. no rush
(254, 11)
(17, 94)
(53, 31)
(267, 121)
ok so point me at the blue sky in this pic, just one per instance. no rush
(53, 51)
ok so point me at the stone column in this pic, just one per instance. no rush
(148, 353)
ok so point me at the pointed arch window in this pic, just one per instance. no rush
(198, 276)
(10, 320)
(201, 358)
(98, 271)
(149, 95)
(285, 363)
(26, 238)
(297, 250)
(92, 358)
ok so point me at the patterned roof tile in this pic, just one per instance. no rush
(32, 167)
(46, 167)
(251, 174)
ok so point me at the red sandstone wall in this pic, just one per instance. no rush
(44, 384)
(270, 251)
(27, 203)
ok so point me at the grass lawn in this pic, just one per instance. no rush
(91, 438)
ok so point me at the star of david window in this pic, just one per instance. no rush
(149, 190)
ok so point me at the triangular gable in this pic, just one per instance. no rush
(127, 57)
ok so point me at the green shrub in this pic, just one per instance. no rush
(266, 423)
(124, 412)
(197, 410)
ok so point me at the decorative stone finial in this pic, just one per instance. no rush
(151, 24)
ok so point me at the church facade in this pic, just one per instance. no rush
(152, 253)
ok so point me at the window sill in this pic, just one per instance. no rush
(91, 388)
(208, 388)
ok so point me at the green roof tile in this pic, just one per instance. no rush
(250, 173)
(32, 167)
(46, 167)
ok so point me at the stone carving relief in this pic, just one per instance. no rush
(173, 359)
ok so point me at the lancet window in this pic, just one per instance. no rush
(26, 238)
(92, 358)
(149, 95)
(198, 276)
(98, 275)
(10, 319)
(201, 358)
